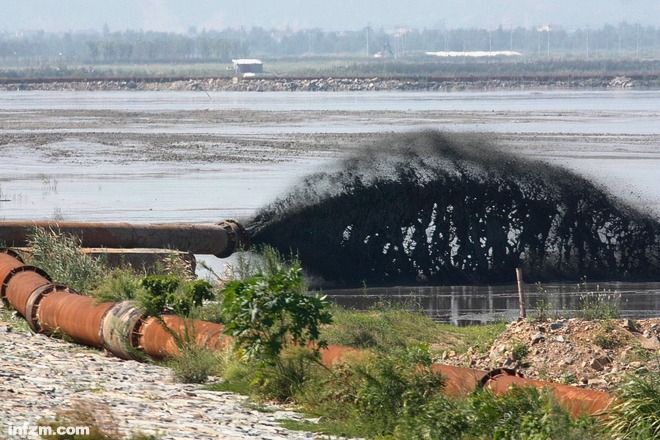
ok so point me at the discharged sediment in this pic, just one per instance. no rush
(446, 208)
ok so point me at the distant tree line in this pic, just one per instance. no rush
(37, 48)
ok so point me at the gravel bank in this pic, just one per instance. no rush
(40, 376)
(338, 84)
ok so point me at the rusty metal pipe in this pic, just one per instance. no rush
(579, 401)
(21, 282)
(220, 239)
(157, 341)
(73, 315)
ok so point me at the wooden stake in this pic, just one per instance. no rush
(521, 294)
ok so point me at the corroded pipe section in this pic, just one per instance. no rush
(73, 315)
(118, 329)
(20, 284)
(579, 401)
(157, 337)
(220, 239)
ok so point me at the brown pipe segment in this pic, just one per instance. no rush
(459, 381)
(21, 282)
(220, 239)
(159, 343)
(73, 315)
(9, 261)
(578, 401)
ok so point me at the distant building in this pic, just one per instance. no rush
(249, 66)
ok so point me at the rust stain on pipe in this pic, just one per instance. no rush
(221, 239)
(21, 282)
(73, 315)
(578, 401)
(156, 341)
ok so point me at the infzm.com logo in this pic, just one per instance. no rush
(34, 431)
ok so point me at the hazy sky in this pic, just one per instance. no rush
(179, 15)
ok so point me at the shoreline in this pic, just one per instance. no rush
(329, 84)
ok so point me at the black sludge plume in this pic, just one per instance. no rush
(444, 208)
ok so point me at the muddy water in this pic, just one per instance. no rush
(197, 157)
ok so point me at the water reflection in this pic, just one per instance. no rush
(473, 305)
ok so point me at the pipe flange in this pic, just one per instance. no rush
(232, 239)
(117, 328)
(32, 306)
(12, 253)
(10, 275)
(492, 374)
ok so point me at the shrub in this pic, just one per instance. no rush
(267, 313)
(170, 292)
(118, 284)
(60, 256)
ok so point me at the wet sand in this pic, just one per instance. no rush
(198, 157)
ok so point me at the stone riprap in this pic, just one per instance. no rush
(41, 376)
(353, 84)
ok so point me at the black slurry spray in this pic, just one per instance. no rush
(440, 208)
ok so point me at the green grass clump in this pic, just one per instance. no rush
(637, 414)
(597, 304)
(60, 256)
(118, 284)
(399, 396)
(390, 328)
(194, 364)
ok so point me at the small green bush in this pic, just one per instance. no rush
(170, 292)
(266, 313)
(118, 284)
(194, 364)
(519, 350)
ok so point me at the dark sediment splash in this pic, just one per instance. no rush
(443, 208)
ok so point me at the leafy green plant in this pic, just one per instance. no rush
(170, 292)
(267, 313)
(519, 350)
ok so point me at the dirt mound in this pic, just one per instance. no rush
(592, 354)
